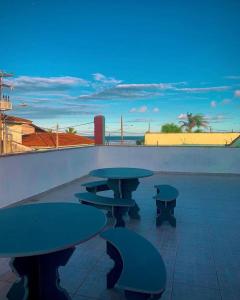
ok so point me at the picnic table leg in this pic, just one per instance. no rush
(114, 274)
(39, 276)
(129, 186)
(123, 189)
(165, 212)
(118, 215)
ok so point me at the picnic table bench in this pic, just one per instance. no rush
(123, 182)
(166, 202)
(96, 186)
(139, 269)
(117, 205)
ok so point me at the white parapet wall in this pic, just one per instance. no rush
(221, 160)
(25, 175)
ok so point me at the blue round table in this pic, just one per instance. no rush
(123, 181)
(40, 238)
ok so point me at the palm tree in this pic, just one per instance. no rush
(71, 130)
(197, 120)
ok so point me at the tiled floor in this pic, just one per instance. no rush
(202, 254)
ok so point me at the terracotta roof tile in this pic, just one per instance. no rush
(14, 119)
(48, 139)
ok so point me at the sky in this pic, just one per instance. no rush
(151, 61)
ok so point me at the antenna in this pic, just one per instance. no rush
(149, 127)
(121, 130)
(5, 103)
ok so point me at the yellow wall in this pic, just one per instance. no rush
(206, 138)
(15, 130)
(27, 129)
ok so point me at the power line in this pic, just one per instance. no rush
(73, 126)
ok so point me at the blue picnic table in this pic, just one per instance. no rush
(123, 181)
(41, 237)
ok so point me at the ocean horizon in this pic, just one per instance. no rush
(115, 140)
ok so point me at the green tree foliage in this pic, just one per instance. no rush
(192, 121)
(71, 130)
(171, 127)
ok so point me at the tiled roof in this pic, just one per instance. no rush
(13, 119)
(48, 140)
(38, 129)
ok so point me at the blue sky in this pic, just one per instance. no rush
(151, 61)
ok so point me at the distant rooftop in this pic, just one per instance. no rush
(49, 140)
(14, 119)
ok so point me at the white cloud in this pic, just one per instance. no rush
(110, 88)
(216, 118)
(156, 109)
(133, 110)
(182, 116)
(141, 109)
(234, 77)
(204, 89)
(237, 93)
(104, 79)
(119, 94)
(141, 120)
(160, 86)
(98, 76)
(213, 103)
(226, 101)
(29, 83)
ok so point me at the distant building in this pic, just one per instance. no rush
(188, 139)
(21, 135)
(14, 129)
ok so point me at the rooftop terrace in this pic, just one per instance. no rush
(201, 254)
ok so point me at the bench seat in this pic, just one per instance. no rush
(96, 186)
(139, 269)
(166, 202)
(115, 204)
(166, 192)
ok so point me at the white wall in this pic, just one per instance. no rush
(173, 159)
(25, 175)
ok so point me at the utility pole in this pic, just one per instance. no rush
(57, 142)
(5, 105)
(121, 130)
(149, 127)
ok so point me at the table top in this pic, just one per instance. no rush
(121, 173)
(34, 229)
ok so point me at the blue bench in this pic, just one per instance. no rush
(117, 205)
(139, 269)
(96, 186)
(166, 202)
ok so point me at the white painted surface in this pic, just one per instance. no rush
(25, 175)
(173, 159)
